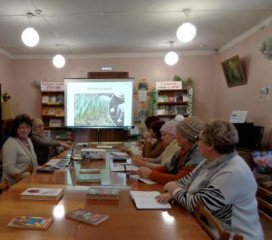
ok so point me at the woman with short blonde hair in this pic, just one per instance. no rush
(223, 182)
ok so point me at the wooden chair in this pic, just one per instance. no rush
(205, 219)
(264, 198)
(237, 236)
(4, 185)
(18, 175)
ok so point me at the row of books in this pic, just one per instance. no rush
(58, 112)
(142, 200)
(53, 99)
(171, 110)
(177, 97)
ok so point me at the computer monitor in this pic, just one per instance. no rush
(250, 136)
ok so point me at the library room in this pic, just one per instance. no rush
(140, 119)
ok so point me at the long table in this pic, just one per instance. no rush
(125, 221)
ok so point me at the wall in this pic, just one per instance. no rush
(258, 71)
(6, 73)
(213, 98)
(26, 72)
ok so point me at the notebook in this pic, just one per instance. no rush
(147, 200)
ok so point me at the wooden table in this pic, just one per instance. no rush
(125, 221)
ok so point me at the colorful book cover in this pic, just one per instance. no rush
(103, 193)
(85, 216)
(42, 223)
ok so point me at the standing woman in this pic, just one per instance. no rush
(18, 152)
(223, 183)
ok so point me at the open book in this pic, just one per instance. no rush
(147, 200)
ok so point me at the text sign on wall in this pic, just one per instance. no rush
(168, 85)
(52, 86)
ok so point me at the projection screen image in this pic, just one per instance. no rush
(98, 104)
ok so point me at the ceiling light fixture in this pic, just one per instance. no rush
(30, 36)
(187, 31)
(171, 58)
(58, 60)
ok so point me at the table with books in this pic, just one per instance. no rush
(117, 218)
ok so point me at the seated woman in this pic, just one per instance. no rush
(153, 149)
(168, 132)
(42, 143)
(183, 161)
(18, 151)
(223, 183)
(138, 147)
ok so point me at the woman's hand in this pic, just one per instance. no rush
(137, 160)
(164, 198)
(65, 145)
(170, 187)
(144, 172)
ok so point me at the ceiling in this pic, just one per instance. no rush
(87, 27)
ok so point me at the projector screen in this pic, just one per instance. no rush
(98, 103)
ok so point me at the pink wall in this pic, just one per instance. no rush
(258, 71)
(26, 72)
(213, 98)
(6, 73)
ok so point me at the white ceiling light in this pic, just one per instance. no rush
(30, 36)
(59, 61)
(187, 31)
(171, 58)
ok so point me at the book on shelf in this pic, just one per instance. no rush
(40, 223)
(171, 98)
(103, 193)
(185, 98)
(59, 112)
(147, 200)
(45, 99)
(52, 99)
(60, 98)
(181, 110)
(85, 216)
(162, 98)
(42, 193)
(55, 123)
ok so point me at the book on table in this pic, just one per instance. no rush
(40, 223)
(103, 193)
(85, 216)
(42, 193)
(147, 200)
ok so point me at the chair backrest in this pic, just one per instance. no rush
(4, 185)
(209, 222)
(264, 198)
(237, 236)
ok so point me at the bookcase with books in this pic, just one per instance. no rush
(171, 102)
(52, 112)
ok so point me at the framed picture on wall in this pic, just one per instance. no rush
(233, 72)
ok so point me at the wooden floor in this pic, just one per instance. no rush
(267, 228)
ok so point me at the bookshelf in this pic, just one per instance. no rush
(172, 102)
(52, 111)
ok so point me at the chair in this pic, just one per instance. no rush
(205, 218)
(237, 236)
(4, 185)
(264, 198)
(17, 176)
